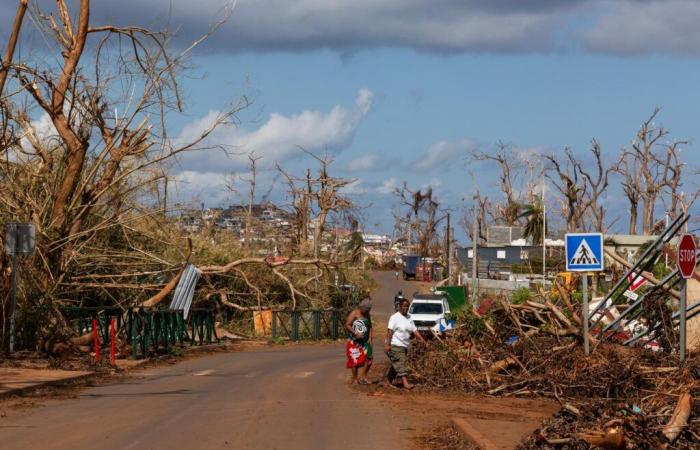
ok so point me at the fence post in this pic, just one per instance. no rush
(209, 326)
(316, 315)
(132, 332)
(201, 329)
(112, 344)
(273, 325)
(334, 324)
(96, 340)
(295, 326)
(181, 328)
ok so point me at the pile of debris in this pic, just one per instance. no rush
(616, 395)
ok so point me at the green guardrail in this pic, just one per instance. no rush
(147, 331)
(299, 325)
(202, 321)
(80, 318)
(152, 330)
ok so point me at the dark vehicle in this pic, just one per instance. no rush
(410, 265)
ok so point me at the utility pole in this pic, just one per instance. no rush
(544, 235)
(447, 249)
(474, 262)
(452, 255)
(165, 196)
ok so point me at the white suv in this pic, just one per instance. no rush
(430, 312)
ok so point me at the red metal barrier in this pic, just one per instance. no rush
(112, 343)
(96, 340)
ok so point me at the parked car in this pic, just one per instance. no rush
(431, 312)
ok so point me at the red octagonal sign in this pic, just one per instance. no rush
(686, 255)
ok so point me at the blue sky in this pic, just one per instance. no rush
(402, 89)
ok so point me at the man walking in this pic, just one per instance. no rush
(400, 329)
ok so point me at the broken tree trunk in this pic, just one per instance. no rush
(679, 419)
(612, 439)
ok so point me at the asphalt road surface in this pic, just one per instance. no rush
(293, 397)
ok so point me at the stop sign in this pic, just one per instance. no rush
(686, 255)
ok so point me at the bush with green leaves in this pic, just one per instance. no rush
(521, 295)
(474, 324)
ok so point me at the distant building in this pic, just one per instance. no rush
(627, 245)
(376, 240)
(497, 262)
(497, 236)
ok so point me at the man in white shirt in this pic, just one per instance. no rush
(400, 329)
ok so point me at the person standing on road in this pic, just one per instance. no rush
(400, 329)
(358, 349)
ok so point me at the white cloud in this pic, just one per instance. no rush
(206, 186)
(433, 183)
(368, 161)
(278, 139)
(444, 152)
(388, 186)
(628, 27)
(354, 188)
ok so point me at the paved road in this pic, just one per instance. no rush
(294, 397)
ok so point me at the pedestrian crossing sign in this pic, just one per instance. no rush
(584, 252)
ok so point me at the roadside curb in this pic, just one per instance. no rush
(472, 434)
(20, 391)
(85, 377)
(205, 347)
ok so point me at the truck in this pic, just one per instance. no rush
(431, 312)
(410, 265)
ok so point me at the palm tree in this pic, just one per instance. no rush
(534, 216)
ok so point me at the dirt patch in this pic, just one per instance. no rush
(443, 437)
(505, 421)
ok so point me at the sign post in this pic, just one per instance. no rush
(685, 261)
(19, 240)
(584, 253)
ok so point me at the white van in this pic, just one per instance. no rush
(430, 312)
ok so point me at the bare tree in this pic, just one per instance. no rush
(652, 171)
(629, 169)
(421, 216)
(510, 169)
(568, 179)
(300, 198)
(597, 180)
(318, 196)
(482, 213)
(84, 137)
(251, 181)
(325, 190)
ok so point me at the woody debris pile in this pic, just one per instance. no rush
(617, 397)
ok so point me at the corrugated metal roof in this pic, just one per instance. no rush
(184, 292)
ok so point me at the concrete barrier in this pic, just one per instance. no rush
(484, 284)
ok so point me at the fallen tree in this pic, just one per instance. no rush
(616, 397)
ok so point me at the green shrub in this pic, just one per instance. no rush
(473, 323)
(660, 270)
(521, 295)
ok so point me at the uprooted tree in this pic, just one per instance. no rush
(84, 140)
